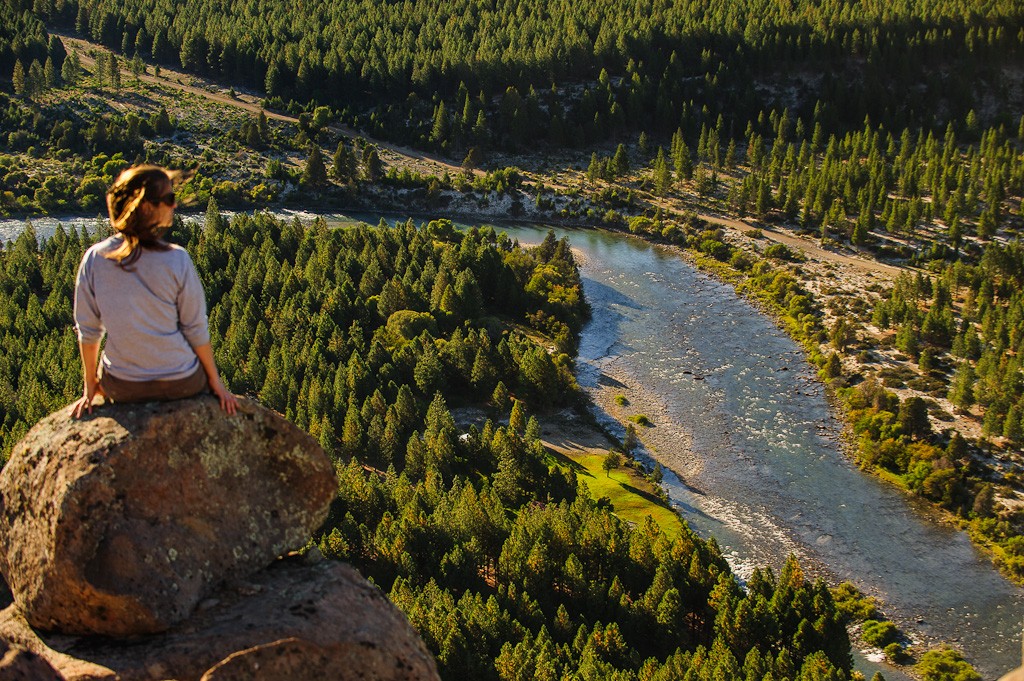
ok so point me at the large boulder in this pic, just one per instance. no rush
(289, 622)
(121, 522)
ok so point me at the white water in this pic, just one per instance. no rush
(774, 479)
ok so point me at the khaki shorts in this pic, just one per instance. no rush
(119, 390)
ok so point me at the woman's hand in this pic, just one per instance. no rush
(228, 402)
(84, 404)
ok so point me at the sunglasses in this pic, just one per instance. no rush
(166, 198)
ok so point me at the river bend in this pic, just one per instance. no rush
(753, 450)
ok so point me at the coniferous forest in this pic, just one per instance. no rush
(903, 64)
(368, 337)
(889, 131)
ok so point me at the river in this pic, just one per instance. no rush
(754, 450)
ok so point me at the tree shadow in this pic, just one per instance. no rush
(649, 496)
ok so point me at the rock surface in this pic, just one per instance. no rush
(122, 522)
(291, 622)
(17, 664)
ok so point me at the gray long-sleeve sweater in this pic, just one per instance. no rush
(153, 313)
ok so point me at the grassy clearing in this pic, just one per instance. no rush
(633, 496)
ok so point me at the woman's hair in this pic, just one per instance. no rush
(133, 186)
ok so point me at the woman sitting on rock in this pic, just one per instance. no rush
(145, 295)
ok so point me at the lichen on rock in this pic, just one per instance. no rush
(120, 523)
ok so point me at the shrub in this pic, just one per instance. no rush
(779, 252)
(716, 249)
(852, 604)
(945, 663)
(894, 653)
(641, 225)
(673, 234)
(740, 261)
(878, 634)
(408, 324)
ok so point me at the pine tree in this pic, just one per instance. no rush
(71, 70)
(961, 392)
(480, 133)
(620, 162)
(500, 396)
(315, 172)
(99, 69)
(50, 74)
(35, 82)
(517, 419)
(681, 157)
(643, 143)
(114, 72)
(138, 68)
(372, 166)
(439, 130)
(18, 78)
(662, 176)
(339, 165)
(273, 83)
(263, 126)
(594, 169)
(214, 223)
(730, 155)
(472, 160)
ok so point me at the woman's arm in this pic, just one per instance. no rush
(228, 402)
(193, 324)
(90, 353)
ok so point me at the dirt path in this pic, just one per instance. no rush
(809, 247)
(394, 155)
(390, 154)
(858, 269)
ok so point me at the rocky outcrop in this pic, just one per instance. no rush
(122, 522)
(290, 622)
(159, 526)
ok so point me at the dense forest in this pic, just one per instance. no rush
(891, 129)
(470, 72)
(368, 338)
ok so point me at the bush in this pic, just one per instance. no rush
(852, 604)
(641, 225)
(894, 653)
(673, 234)
(779, 252)
(612, 218)
(641, 420)
(740, 261)
(878, 634)
(408, 324)
(943, 664)
(621, 400)
(716, 249)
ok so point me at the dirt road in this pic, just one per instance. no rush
(810, 248)
(390, 154)
(393, 155)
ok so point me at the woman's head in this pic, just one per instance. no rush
(141, 205)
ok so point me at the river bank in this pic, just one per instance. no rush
(770, 474)
(740, 413)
